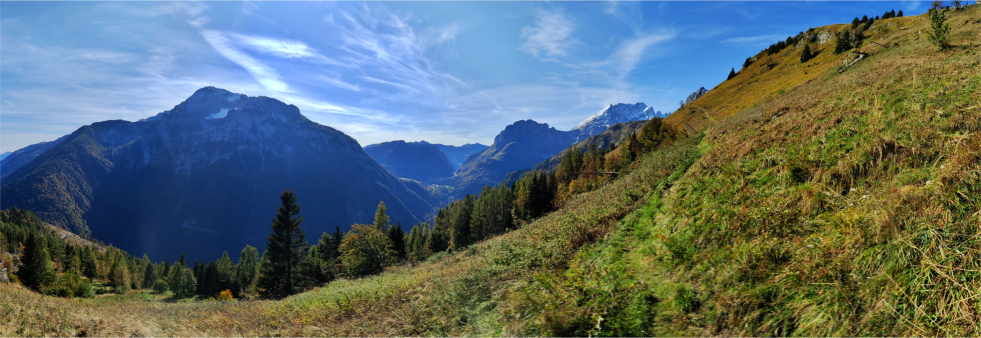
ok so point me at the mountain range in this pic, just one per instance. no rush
(421, 161)
(613, 114)
(213, 167)
(205, 177)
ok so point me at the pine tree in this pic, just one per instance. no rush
(181, 261)
(37, 263)
(843, 43)
(326, 247)
(381, 219)
(938, 22)
(806, 55)
(284, 248)
(248, 267)
(732, 74)
(855, 23)
(149, 276)
(899, 14)
(397, 236)
(226, 272)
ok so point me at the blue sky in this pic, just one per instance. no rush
(444, 72)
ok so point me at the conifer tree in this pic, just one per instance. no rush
(938, 23)
(855, 23)
(326, 247)
(806, 55)
(248, 267)
(149, 276)
(843, 43)
(397, 236)
(899, 14)
(37, 262)
(732, 74)
(283, 249)
(226, 272)
(381, 219)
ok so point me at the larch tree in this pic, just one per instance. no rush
(381, 219)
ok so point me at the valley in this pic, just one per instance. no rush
(798, 197)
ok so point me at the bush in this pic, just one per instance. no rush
(226, 296)
(84, 289)
(160, 286)
(687, 299)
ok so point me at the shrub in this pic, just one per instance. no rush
(226, 296)
(160, 286)
(687, 299)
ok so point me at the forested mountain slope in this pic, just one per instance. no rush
(204, 177)
(806, 201)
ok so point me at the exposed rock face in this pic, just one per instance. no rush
(613, 114)
(691, 97)
(421, 161)
(205, 177)
(824, 37)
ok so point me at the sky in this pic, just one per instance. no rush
(443, 72)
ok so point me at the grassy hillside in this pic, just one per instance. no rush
(812, 202)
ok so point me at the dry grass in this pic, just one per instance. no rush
(820, 204)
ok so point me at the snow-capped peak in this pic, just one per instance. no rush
(617, 113)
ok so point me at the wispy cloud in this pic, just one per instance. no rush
(277, 47)
(265, 75)
(336, 82)
(755, 40)
(551, 35)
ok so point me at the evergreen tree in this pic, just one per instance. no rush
(90, 267)
(806, 55)
(210, 284)
(397, 236)
(899, 14)
(338, 238)
(36, 261)
(226, 272)
(855, 23)
(381, 219)
(732, 74)
(938, 23)
(310, 269)
(326, 247)
(865, 19)
(175, 280)
(248, 267)
(181, 261)
(843, 43)
(283, 248)
(460, 227)
(149, 276)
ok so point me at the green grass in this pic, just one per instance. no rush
(821, 205)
